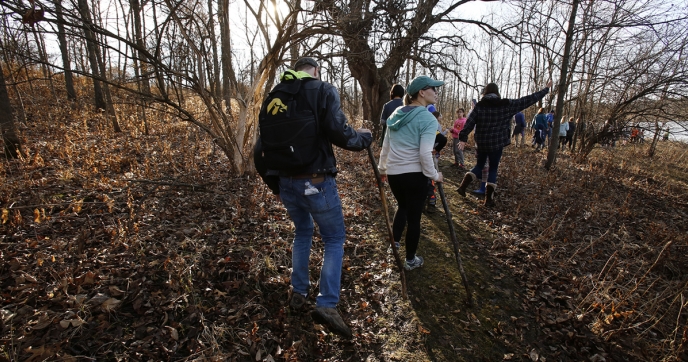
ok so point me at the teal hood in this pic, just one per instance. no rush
(402, 116)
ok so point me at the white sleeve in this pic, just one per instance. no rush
(382, 164)
(427, 141)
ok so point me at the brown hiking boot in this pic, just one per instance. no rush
(467, 181)
(489, 195)
(330, 318)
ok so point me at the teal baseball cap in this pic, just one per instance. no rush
(421, 82)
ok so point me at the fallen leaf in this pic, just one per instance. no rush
(76, 322)
(534, 356)
(173, 333)
(597, 358)
(115, 291)
(43, 321)
(110, 304)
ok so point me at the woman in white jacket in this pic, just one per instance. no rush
(563, 128)
(406, 161)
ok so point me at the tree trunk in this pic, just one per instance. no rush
(20, 99)
(228, 76)
(142, 60)
(109, 108)
(215, 81)
(62, 38)
(11, 143)
(42, 54)
(92, 48)
(655, 139)
(563, 85)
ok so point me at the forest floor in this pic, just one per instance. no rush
(142, 247)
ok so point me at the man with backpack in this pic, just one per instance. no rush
(299, 122)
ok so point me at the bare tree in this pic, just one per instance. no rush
(381, 36)
(563, 85)
(11, 142)
(66, 64)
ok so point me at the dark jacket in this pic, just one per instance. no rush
(520, 120)
(491, 119)
(572, 130)
(334, 129)
(541, 122)
(389, 108)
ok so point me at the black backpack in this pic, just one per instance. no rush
(289, 129)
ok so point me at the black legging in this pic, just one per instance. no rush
(410, 191)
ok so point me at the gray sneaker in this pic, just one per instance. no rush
(417, 262)
(330, 318)
(297, 301)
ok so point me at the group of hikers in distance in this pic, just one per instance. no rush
(300, 121)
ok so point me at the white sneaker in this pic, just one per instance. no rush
(417, 262)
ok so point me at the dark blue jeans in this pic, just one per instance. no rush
(307, 202)
(481, 158)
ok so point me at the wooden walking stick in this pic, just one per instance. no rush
(389, 223)
(448, 214)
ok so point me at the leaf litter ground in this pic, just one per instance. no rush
(141, 247)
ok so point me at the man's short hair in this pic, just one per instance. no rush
(304, 63)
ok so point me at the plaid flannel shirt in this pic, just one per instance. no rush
(491, 118)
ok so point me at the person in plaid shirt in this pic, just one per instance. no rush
(491, 119)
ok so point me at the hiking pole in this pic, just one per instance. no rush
(389, 223)
(448, 214)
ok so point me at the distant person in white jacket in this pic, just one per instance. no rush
(563, 129)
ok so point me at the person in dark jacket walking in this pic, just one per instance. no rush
(395, 101)
(310, 193)
(519, 127)
(491, 119)
(540, 127)
(570, 133)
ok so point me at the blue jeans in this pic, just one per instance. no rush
(481, 159)
(307, 202)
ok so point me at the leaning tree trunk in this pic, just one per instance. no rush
(66, 65)
(109, 108)
(563, 82)
(215, 81)
(92, 49)
(228, 75)
(142, 58)
(11, 143)
(655, 139)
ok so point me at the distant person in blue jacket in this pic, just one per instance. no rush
(540, 127)
(395, 95)
(550, 126)
(519, 128)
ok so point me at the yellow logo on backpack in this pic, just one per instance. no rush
(276, 106)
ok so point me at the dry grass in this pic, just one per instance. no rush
(611, 234)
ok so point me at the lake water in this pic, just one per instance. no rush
(677, 132)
